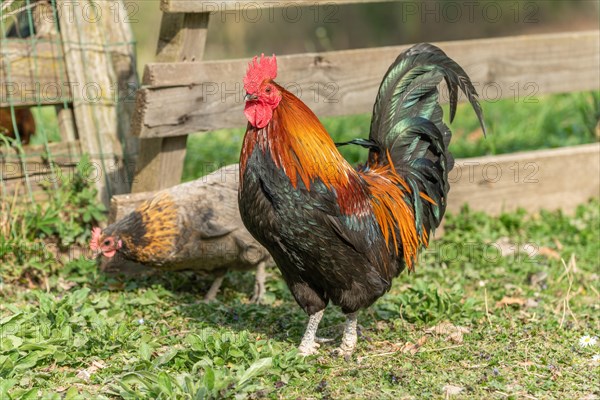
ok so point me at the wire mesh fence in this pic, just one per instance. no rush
(67, 90)
(57, 102)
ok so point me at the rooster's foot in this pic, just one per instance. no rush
(309, 345)
(308, 349)
(349, 338)
(256, 299)
(344, 350)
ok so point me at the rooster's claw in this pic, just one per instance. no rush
(308, 349)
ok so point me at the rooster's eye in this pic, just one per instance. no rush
(268, 89)
(107, 242)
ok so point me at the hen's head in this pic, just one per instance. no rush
(262, 94)
(108, 245)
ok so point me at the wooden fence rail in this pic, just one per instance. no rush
(560, 178)
(32, 74)
(180, 98)
(200, 6)
(552, 179)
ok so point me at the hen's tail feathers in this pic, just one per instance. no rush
(407, 124)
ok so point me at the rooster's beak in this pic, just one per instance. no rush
(250, 97)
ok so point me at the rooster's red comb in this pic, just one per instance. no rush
(259, 71)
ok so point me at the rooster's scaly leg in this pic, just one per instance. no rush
(349, 338)
(308, 345)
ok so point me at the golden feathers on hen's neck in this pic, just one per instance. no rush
(149, 233)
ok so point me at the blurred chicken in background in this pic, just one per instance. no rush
(194, 226)
(25, 124)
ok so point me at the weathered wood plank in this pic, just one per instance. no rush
(42, 184)
(37, 155)
(88, 65)
(184, 98)
(560, 178)
(225, 178)
(193, 6)
(64, 158)
(123, 204)
(123, 58)
(32, 73)
(160, 163)
(40, 168)
(534, 180)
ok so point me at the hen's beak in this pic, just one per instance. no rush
(250, 97)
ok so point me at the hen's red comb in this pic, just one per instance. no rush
(95, 242)
(258, 71)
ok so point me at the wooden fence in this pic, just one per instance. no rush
(81, 66)
(181, 94)
(180, 98)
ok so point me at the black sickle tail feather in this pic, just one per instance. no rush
(407, 124)
(359, 142)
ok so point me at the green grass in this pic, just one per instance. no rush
(47, 125)
(31, 235)
(82, 334)
(551, 121)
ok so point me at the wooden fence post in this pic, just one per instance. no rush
(122, 54)
(160, 163)
(83, 72)
(92, 79)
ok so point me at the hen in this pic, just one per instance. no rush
(337, 233)
(192, 226)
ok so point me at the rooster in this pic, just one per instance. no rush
(193, 226)
(337, 233)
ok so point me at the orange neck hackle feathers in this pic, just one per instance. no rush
(298, 144)
(303, 148)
